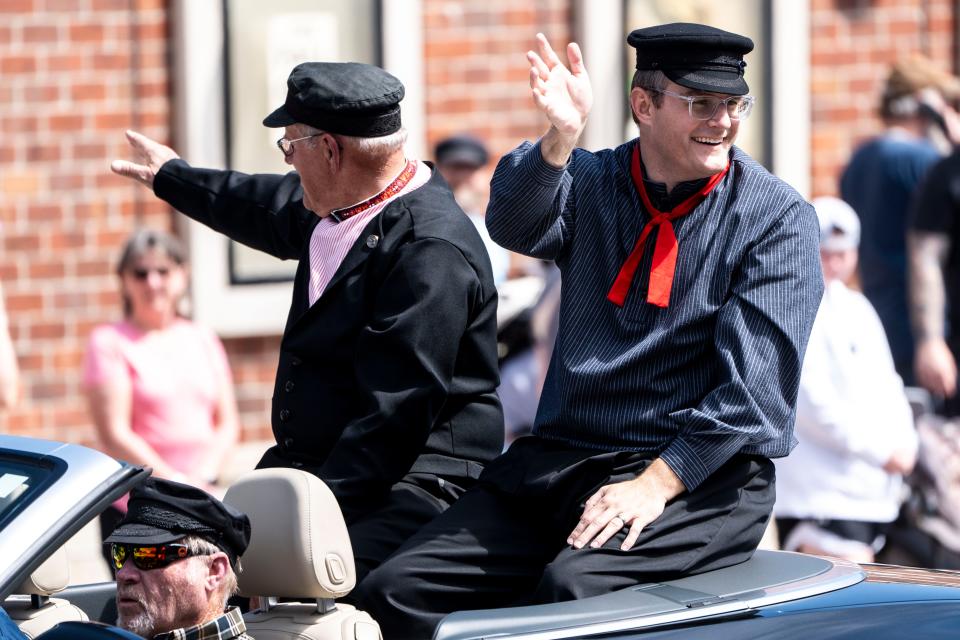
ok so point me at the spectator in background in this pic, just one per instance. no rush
(840, 487)
(879, 182)
(934, 250)
(158, 385)
(9, 372)
(460, 160)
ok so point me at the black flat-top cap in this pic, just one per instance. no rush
(462, 150)
(350, 98)
(694, 55)
(162, 511)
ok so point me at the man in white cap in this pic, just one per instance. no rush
(840, 488)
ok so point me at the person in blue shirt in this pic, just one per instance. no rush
(690, 281)
(881, 179)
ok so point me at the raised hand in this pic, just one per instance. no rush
(149, 155)
(563, 95)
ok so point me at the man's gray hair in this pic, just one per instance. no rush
(204, 547)
(373, 147)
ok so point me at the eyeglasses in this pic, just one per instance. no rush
(140, 273)
(147, 557)
(286, 146)
(705, 107)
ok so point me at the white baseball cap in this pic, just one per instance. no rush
(839, 224)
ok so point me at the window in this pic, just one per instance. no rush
(231, 59)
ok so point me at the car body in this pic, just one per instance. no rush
(48, 491)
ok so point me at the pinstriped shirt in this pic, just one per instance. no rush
(715, 373)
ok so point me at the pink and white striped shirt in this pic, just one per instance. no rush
(331, 240)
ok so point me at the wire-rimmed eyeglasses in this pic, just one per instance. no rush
(705, 107)
(286, 146)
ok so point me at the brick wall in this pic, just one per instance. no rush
(853, 42)
(76, 73)
(476, 70)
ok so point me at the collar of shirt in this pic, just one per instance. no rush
(229, 625)
(332, 240)
(657, 191)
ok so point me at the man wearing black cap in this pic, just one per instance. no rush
(386, 380)
(690, 280)
(176, 553)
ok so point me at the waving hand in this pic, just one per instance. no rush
(563, 95)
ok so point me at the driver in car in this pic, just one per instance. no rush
(177, 553)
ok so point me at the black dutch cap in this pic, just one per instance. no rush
(350, 98)
(694, 55)
(162, 511)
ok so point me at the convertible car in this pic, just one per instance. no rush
(299, 553)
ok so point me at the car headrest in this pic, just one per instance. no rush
(49, 578)
(299, 546)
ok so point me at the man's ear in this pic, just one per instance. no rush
(217, 571)
(331, 150)
(641, 103)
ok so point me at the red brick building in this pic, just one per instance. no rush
(76, 73)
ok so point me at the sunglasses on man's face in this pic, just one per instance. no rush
(147, 557)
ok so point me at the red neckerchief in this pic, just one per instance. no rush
(392, 189)
(665, 251)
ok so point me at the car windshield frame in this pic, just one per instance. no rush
(37, 473)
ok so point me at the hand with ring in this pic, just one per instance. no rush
(632, 504)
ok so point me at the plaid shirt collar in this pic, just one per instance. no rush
(229, 625)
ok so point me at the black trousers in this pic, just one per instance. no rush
(504, 542)
(412, 503)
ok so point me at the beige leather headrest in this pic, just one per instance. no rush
(49, 578)
(299, 546)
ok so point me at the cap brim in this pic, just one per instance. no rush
(714, 81)
(136, 533)
(279, 118)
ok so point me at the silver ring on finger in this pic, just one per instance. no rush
(622, 520)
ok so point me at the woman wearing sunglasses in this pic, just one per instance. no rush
(158, 385)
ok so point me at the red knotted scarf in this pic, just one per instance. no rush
(665, 251)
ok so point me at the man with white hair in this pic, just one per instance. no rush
(176, 553)
(387, 374)
(840, 488)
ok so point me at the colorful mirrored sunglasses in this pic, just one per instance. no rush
(153, 556)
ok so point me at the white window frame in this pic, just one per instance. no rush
(199, 106)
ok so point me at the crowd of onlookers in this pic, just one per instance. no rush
(877, 390)
(881, 363)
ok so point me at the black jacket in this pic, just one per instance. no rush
(393, 370)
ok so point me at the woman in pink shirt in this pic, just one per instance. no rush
(159, 386)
